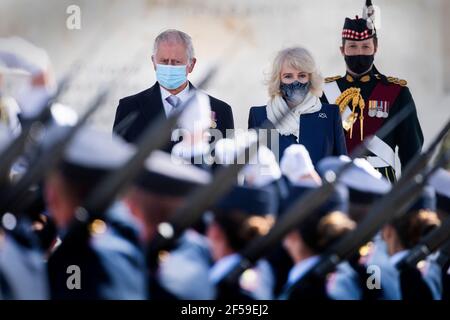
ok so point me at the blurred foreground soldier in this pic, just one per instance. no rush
(109, 263)
(365, 184)
(263, 172)
(297, 169)
(440, 181)
(194, 124)
(20, 59)
(243, 215)
(309, 240)
(368, 99)
(297, 166)
(9, 111)
(22, 270)
(158, 192)
(445, 147)
(402, 234)
(173, 60)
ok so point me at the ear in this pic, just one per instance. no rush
(55, 197)
(215, 233)
(154, 63)
(342, 50)
(292, 239)
(51, 194)
(134, 208)
(387, 232)
(190, 67)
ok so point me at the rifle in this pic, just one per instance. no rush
(202, 199)
(17, 146)
(444, 256)
(207, 196)
(392, 205)
(303, 207)
(103, 195)
(17, 198)
(433, 240)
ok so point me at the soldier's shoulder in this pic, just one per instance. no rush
(392, 80)
(332, 79)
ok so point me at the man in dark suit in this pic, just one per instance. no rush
(173, 59)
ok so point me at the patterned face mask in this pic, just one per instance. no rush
(295, 92)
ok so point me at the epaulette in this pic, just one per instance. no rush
(331, 79)
(398, 81)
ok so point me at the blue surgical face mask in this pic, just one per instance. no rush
(171, 77)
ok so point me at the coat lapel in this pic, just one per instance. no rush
(151, 103)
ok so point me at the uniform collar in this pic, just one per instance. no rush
(366, 77)
(397, 257)
(299, 270)
(223, 266)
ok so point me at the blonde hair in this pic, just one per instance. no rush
(300, 59)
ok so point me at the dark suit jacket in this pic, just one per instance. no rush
(320, 132)
(148, 106)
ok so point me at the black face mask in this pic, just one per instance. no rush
(359, 64)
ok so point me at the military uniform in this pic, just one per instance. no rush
(440, 181)
(257, 282)
(400, 281)
(369, 101)
(102, 260)
(364, 183)
(343, 282)
(191, 254)
(166, 177)
(112, 265)
(22, 269)
(445, 147)
(365, 186)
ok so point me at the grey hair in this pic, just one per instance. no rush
(175, 36)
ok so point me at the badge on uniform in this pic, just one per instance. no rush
(213, 120)
(379, 109)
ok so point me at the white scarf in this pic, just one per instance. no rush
(277, 107)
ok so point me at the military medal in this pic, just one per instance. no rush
(385, 109)
(372, 108)
(213, 120)
(379, 109)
